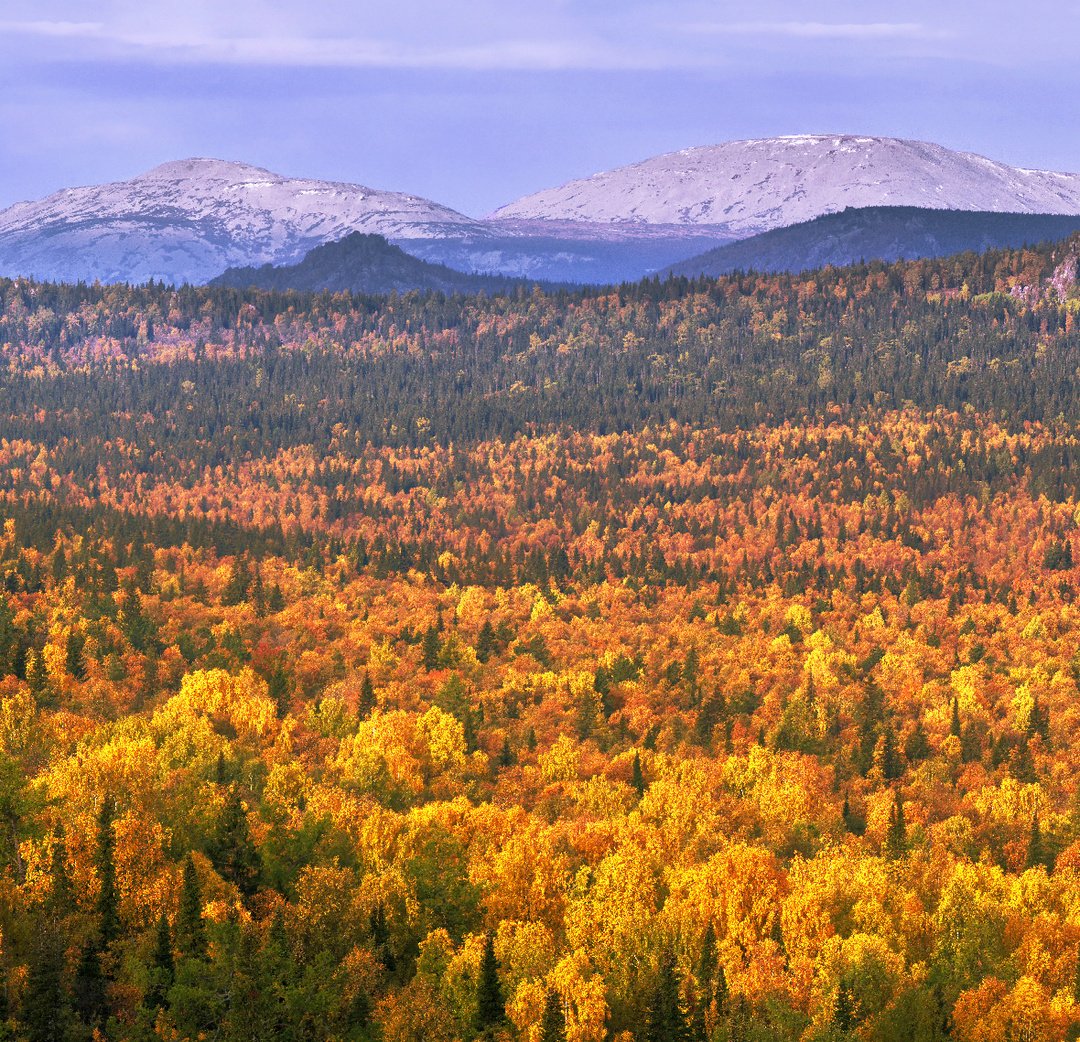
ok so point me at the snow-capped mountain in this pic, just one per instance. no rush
(747, 187)
(189, 220)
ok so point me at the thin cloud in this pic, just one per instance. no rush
(823, 30)
(342, 52)
(44, 28)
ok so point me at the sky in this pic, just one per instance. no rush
(474, 104)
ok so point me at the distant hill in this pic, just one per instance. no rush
(361, 263)
(885, 233)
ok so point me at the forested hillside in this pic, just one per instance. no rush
(683, 661)
(884, 233)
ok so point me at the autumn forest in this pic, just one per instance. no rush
(689, 661)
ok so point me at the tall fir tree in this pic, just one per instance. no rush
(666, 1019)
(108, 900)
(896, 834)
(490, 1005)
(954, 719)
(1036, 848)
(366, 702)
(844, 1010)
(485, 641)
(61, 900)
(431, 649)
(44, 1012)
(232, 850)
(190, 927)
(553, 1022)
(89, 999)
(162, 967)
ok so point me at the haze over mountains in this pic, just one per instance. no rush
(188, 221)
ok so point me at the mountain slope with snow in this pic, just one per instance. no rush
(747, 187)
(189, 220)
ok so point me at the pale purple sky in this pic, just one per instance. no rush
(474, 104)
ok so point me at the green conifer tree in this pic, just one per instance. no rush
(108, 900)
(277, 687)
(232, 850)
(553, 1022)
(844, 1011)
(88, 987)
(366, 702)
(485, 641)
(61, 901)
(162, 967)
(490, 1005)
(666, 1020)
(896, 836)
(506, 754)
(431, 649)
(44, 1013)
(190, 927)
(1036, 849)
(707, 967)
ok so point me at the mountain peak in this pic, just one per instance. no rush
(190, 219)
(202, 167)
(752, 185)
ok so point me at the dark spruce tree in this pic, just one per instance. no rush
(89, 1000)
(844, 1010)
(431, 649)
(1036, 848)
(490, 1006)
(232, 850)
(366, 702)
(190, 927)
(108, 900)
(485, 641)
(44, 1012)
(896, 834)
(61, 900)
(380, 937)
(553, 1022)
(162, 967)
(708, 968)
(666, 1019)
